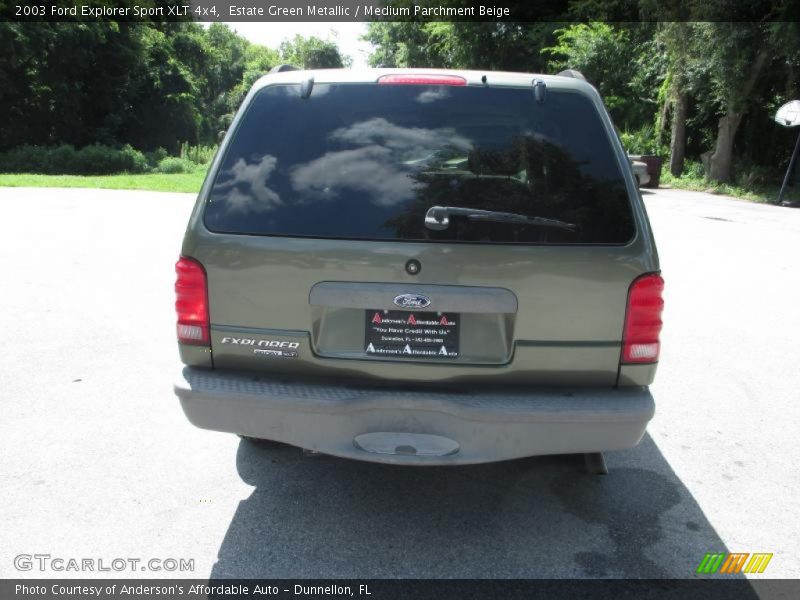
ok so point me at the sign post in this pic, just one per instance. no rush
(788, 115)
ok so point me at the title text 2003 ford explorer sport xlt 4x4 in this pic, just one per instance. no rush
(423, 268)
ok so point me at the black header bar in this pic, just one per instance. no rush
(396, 10)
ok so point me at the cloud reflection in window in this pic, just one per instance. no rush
(432, 95)
(246, 190)
(368, 169)
(381, 167)
(387, 134)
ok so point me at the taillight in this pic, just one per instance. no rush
(640, 338)
(422, 80)
(191, 302)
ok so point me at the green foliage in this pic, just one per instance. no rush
(401, 44)
(693, 169)
(487, 45)
(27, 158)
(159, 182)
(640, 68)
(723, 53)
(95, 159)
(199, 155)
(98, 159)
(641, 141)
(72, 94)
(621, 60)
(592, 47)
(313, 53)
(759, 186)
(155, 156)
(174, 164)
(150, 85)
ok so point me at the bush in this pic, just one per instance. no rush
(156, 156)
(31, 159)
(102, 160)
(199, 155)
(61, 159)
(642, 141)
(693, 169)
(66, 160)
(137, 160)
(173, 164)
(752, 176)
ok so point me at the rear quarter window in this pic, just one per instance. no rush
(367, 161)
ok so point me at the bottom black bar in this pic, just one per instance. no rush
(391, 589)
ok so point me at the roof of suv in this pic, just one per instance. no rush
(493, 78)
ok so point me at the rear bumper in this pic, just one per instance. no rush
(414, 427)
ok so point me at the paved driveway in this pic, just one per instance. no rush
(97, 460)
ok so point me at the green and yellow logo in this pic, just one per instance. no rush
(735, 562)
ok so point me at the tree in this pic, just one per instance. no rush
(313, 53)
(457, 45)
(400, 44)
(258, 60)
(735, 55)
(145, 84)
(621, 60)
(728, 65)
(674, 35)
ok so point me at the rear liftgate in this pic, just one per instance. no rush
(432, 323)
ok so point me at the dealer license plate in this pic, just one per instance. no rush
(403, 334)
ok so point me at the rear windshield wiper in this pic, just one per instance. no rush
(438, 218)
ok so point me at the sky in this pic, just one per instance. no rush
(345, 34)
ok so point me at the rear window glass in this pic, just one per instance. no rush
(423, 163)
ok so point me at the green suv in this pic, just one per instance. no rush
(421, 267)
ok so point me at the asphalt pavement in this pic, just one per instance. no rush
(97, 460)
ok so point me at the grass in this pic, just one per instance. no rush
(157, 182)
(753, 193)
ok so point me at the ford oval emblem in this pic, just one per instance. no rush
(412, 301)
